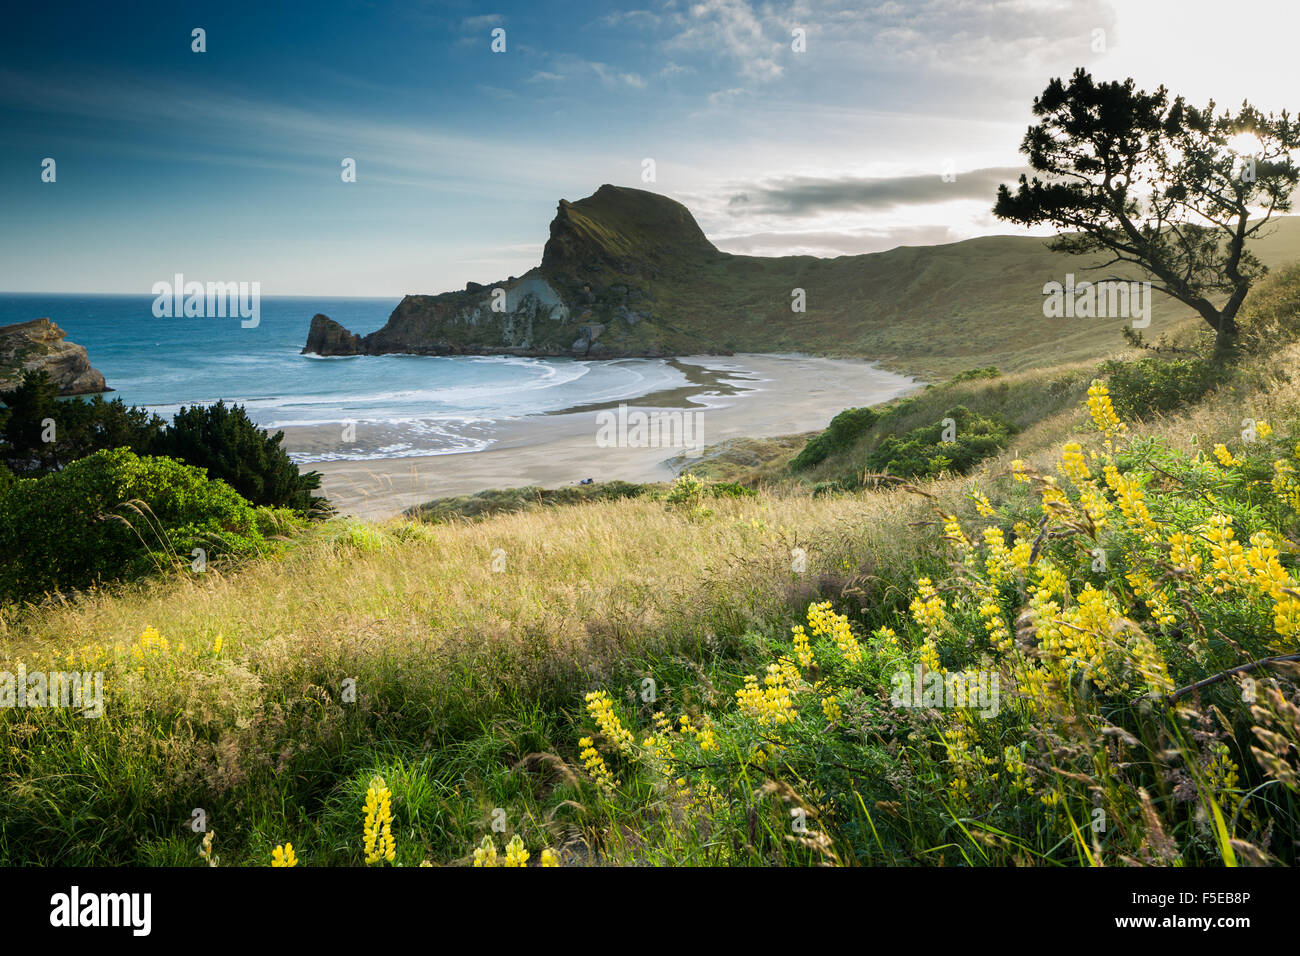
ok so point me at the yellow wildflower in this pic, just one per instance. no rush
(378, 830)
(282, 856)
(1102, 411)
(486, 853)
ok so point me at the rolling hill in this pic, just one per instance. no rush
(627, 272)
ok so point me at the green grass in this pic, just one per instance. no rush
(471, 644)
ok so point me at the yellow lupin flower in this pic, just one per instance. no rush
(1225, 457)
(1286, 483)
(1073, 464)
(928, 608)
(485, 854)
(824, 622)
(998, 565)
(595, 763)
(996, 625)
(831, 708)
(549, 858)
(601, 709)
(772, 703)
(802, 651)
(516, 855)
(378, 829)
(1102, 411)
(1132, 502)
(282, 856)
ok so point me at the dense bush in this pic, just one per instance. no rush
(219, 438)
(924, 452)
(40, 433)
(975, 374)
(225, 441)
(844, 429)
(1157, 385)
(113, 516)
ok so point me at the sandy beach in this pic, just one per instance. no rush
(728, 397)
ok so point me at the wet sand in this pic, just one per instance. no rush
(738, 396)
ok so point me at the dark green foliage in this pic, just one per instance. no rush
(219, 438)
(1157, 385)
(730, 489)
(113, 516)
(972, 374)
(225, 441)
(78, 428)
(845, 428)
(1100, 146)
(922, 452)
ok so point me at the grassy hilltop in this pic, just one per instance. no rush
(702, 673)
(629, 272)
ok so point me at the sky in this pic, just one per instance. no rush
(892, 125)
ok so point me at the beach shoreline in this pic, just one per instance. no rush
(730, 397)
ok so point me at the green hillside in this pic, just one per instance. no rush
(629, 272)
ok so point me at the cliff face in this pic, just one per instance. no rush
(589, 298)
(40, 344)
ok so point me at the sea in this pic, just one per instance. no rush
(429, 405)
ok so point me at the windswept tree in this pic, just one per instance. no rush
(1175, 190)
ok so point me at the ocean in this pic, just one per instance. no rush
(430, 405)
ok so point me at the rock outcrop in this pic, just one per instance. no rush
(327, 337)
(40, 344)
(589, 298)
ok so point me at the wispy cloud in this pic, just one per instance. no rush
(482, 22)
(803, 195)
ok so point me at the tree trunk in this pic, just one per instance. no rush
(1225, 339)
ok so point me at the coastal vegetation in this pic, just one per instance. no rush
(41, 433)
(1042, 612)
(686, 676)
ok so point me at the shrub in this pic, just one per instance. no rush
(114, 516)
(79, 428)
(219, 438)
(974, 374)
(730, 489)
(1157, 385)
(923, 452)
(844, 429)
(224, 440)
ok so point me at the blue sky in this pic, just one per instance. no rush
(225, 165)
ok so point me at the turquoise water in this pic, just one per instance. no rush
(432, 405)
